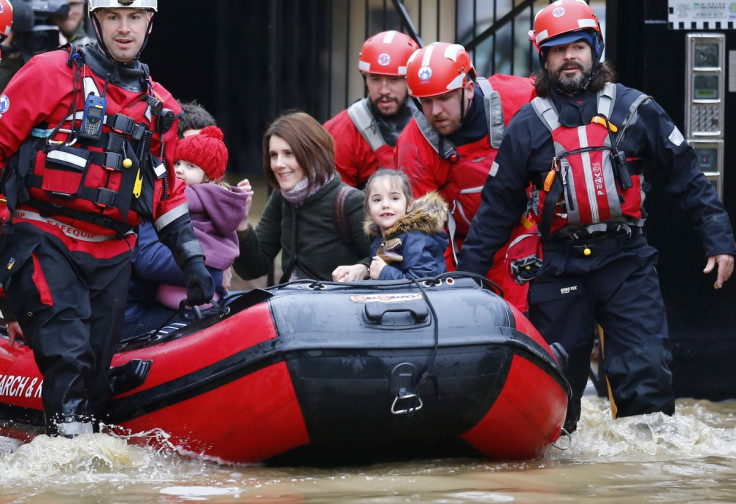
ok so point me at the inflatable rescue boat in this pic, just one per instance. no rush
(402, 368)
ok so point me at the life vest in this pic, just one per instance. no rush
(589, 181)
(95, 180)
(447, 150)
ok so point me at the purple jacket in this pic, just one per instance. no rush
(216, 213)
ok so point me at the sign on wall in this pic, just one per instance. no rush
(689, 15)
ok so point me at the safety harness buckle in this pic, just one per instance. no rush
(106, 198)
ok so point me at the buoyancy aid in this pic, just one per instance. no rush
(98, 180)
(447, 150)
(589, 181)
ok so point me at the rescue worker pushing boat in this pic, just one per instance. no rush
(87, 141)
(585, 144)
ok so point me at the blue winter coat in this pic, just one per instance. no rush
(414, 247)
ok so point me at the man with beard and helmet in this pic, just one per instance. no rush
(365, 133)
(86, 155)
(450, 144)
(584, 144)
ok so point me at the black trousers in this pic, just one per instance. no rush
(70, 306)
(617, 287)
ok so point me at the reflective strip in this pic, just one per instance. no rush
(588, 23)
(70, 231)
(71, 429)
(171, 216)
(494, 111)
(90, 87)
(41, 133)
(546, 113)
(67, 157)
(159, 170)
(472, 190)
(428, 55)
(494, 169)
(606, 99)
(588, 174)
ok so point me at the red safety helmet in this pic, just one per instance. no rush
(6, 21)
(386, 53)
(6, 18)
(438, 68)
(564, 22)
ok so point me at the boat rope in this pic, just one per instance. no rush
(427, 371)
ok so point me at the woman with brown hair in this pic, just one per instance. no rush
(311, 217)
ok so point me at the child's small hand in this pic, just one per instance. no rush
(245, 186)
(227, 277)
(377, 266)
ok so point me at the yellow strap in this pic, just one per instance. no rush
(602, 121)
(614, 408)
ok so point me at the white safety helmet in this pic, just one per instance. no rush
(123, 4)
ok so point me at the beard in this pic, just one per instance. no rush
(571, 84)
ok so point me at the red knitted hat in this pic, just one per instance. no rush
(205, 149)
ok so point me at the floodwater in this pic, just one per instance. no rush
(689, 457)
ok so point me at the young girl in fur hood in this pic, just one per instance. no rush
(408, 236)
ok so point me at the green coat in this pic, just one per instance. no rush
(310, 230)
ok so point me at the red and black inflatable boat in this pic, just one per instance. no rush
(401, 369)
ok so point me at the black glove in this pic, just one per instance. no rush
(200, 286)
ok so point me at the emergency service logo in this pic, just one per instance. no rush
(384, 59)
(425, 73)
(4, 104)
(558, 12)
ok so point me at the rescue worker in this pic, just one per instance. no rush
(450, 144)
(366, 132)
(85, 157)
(597, 263)
(6, 21)
(73, 26)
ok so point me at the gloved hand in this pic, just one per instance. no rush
(200, 286)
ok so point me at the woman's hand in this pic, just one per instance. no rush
(352, 273)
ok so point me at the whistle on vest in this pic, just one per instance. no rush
(621, 171)
(138, 186)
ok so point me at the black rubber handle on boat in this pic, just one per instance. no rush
(374, 312)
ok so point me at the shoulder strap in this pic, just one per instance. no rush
(341, 224)
(365, 123)
(442, 145)
(546, 112)
(633, 108)
(606, 100)
(494, 112)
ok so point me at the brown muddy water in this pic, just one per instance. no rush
(689, 457)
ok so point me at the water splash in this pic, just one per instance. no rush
(693, 431)
(46, 457)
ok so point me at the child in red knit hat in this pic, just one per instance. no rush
(215, 207)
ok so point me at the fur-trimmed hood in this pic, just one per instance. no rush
(428, 214)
